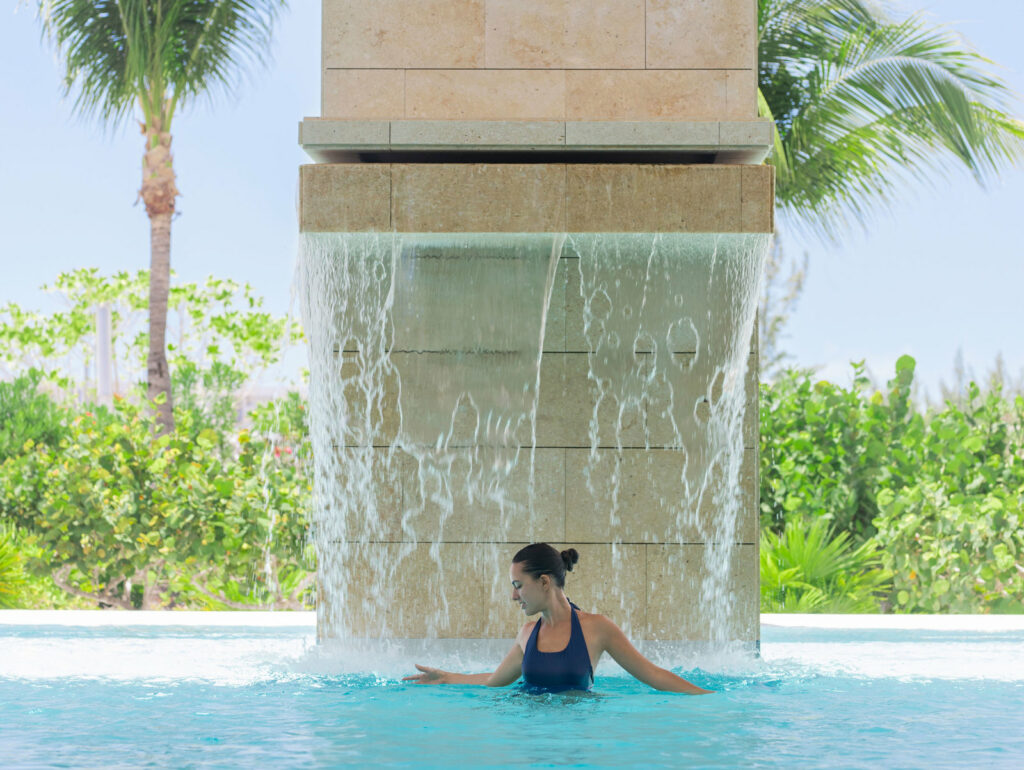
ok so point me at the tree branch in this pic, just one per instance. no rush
(60, 579)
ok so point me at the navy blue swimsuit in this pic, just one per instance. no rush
(568, 669)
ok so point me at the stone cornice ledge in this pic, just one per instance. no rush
(747, 141)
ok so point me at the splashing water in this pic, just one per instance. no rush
(425, 369)
(668, 320)
(425, 356)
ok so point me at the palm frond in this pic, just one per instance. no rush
(813, 569)
(157, 54)
(778, 157)
(863, 102)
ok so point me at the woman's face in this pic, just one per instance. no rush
(527, 590)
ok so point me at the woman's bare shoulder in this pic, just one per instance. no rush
(594, 619)
(524, 633)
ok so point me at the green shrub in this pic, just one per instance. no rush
(12, 570)
(817, 570)
(128, 519)
(940, 492)
(28, 415)
(826, 450)
(954, 551)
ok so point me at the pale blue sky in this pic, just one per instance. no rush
(942, 269)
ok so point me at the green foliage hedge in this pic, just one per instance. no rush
(131, 519)
(103, 509)
(940, 494)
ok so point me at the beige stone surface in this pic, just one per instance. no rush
(373, 419)
(516, 134)
(674, 575)
(625, 134)
(741, 95)
(485, 94)
(437, 398)
(688, 290)
(575, 338)
(652, 504)
(565, 411)
(640, 95)
(744, 142)
(446, 197)
(609, 579)
(344, 198)
(632, 198)
(567, 400)
(555, 34)
(677, 388)
(757, 198)
(699, 298)
(360, 134)
(486, 503)
(363, 94)
(403, 34)
(745, 133)
(371, 494)
(468, 286)
(701, 34)
(535, 198)
(554, 327)
(436, 393)
(409, 580)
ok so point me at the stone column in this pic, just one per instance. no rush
(577, 117)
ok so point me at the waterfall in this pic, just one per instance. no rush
(668, 320)
(426, 369)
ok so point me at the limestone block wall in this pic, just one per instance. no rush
(536, 60)
(643, 570)
(537, 82)
(535, 197)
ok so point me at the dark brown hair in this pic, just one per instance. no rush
(541, 559)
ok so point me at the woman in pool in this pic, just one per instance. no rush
(560, 650)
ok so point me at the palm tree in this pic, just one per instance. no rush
(149, 58)
(862, 101)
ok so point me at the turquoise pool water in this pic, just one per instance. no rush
(230, 697)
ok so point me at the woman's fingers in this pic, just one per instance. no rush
(428, 675)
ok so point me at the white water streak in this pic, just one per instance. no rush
(425, 354)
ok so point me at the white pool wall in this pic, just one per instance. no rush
(237, 619)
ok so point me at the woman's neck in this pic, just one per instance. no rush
(558, 611)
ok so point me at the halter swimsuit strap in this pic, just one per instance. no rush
(566, 669)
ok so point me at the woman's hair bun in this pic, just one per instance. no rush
(570, 557)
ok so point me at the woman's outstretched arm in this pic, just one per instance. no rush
(506, 673)
(627, 656)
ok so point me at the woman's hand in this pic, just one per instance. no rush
(429, 676)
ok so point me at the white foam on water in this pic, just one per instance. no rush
(185, 618)
(218, 649)
(994, 661)
(233, 662)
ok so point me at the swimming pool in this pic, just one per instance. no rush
(225, 695)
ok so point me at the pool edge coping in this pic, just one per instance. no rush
(307, 619)
(987, 623)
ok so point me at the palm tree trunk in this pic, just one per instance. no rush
(159, 193)
(159, 374)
